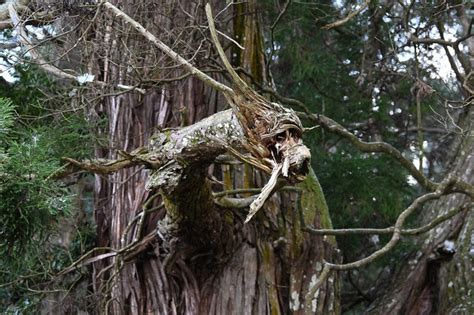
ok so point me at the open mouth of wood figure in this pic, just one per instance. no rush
(290, 158)
(288, 149)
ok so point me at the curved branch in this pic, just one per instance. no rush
(389, 230)
(442, 189)
(332, 126)
(241, 85)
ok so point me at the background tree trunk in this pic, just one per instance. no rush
(266, 266)
(439, 272)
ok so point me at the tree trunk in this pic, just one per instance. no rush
(440, 272)
(202, 259)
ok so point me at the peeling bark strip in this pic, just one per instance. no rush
(272, 132)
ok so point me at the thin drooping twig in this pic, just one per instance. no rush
(272, 35)
(84, 260)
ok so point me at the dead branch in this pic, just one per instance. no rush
(420, 201)
(241, 85)
(235, 203)
(139, 156)
(261, 120)
(272, 132)
(126, 251)
(266, 191)
(439, 41)
(101, 166)
(369, 231)
(222, 198)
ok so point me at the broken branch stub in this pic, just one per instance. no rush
(273, 132)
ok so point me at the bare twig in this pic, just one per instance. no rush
(272, 31)
(47, 65)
